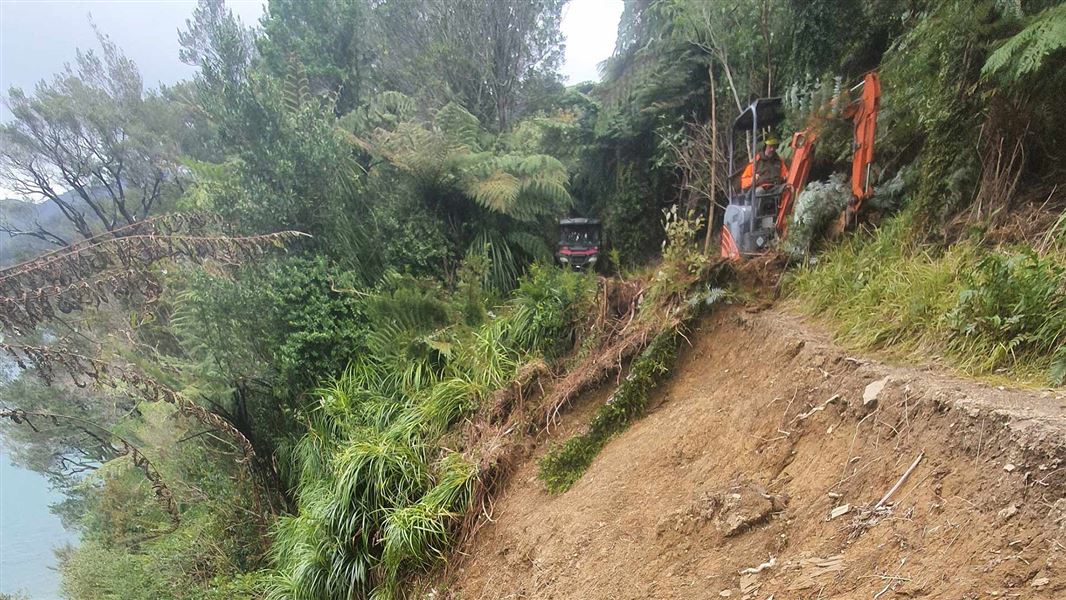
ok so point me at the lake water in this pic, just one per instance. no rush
(28, 533)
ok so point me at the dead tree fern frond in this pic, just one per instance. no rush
(50, 363)
(168, 224)
(117, 267)
(160, 491)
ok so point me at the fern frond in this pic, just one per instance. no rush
(498, 192)
(460, 128)
(1025, 55)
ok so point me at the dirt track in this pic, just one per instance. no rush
(737, 466)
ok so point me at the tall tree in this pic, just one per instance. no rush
(93, 142)
(330, 39)
(484, 54)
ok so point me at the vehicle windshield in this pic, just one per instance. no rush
(580, 237)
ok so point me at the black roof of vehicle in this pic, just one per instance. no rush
(769, 111)
(578, 221)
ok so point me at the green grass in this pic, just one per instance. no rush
(378, 495)
(985, 311)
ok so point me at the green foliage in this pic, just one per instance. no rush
(331, 40)
(987, 311)
(406, 344)
(887, 290)
(471, 298)
(627, 214)
(122, 555)
(496, 59)
(1038, 48)
(507, 199)
(1012, 310)
(565, 464)
(378, 497)
(547, 306)
(930, 74)
(683, 259)
(817, 205)
(429, 149)
(299, 320)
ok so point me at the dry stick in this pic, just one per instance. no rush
(714, 160)
(902, 479)
(843, 473)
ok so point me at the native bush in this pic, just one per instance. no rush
(378, 497)
(1013, 308)
(293, 322)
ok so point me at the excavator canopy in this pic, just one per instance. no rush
(762, 113)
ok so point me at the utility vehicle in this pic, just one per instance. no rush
(579, 243)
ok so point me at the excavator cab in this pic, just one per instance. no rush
(751, 217)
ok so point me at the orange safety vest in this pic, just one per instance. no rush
(762, 170)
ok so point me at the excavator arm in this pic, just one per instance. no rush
(863, 114)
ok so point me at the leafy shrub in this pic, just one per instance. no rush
(295, 319)
(1013, 307)
(682, 258)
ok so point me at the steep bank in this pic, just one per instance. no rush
(761, 433)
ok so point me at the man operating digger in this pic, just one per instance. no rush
(767, 169)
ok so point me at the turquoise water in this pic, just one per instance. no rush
(28, 533)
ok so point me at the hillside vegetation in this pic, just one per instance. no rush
(296, 319)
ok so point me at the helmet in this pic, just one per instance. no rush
(771, 140)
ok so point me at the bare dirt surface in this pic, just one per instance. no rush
(762, 454)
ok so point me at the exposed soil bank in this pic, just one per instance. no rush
(737, 466)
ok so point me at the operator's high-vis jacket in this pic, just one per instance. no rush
(764, 171)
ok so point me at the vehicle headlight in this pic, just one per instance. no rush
(564, 260)
(592, 260)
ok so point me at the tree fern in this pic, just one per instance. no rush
(1026, 55)
(459, 128)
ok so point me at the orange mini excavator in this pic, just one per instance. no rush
(757, 216)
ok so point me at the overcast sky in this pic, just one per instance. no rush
(38, 36)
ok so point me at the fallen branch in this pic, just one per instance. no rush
(766, 565)
(901, 481)
(821, 407)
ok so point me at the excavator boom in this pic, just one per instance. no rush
(863, 114)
